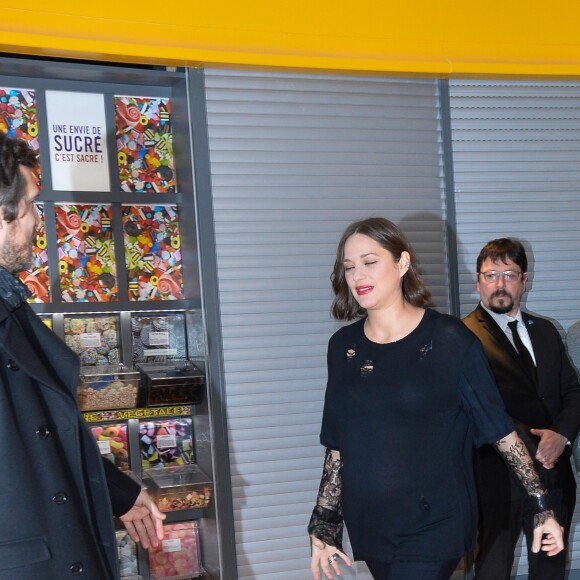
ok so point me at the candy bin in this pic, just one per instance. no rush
(127, 555)
(178, 556)
(180, 382)
(166, 442)
(94, 338)
(104, 387)
(112, 442)
(158, 338)
(179, 488)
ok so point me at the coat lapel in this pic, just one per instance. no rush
(499, 336)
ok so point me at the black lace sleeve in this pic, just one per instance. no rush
(519, 461)
(326, 521)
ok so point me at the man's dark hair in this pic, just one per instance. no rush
(504, 249)
(13, 154)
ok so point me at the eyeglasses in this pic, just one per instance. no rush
(492, 276)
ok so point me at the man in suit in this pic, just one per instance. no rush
(58, 494)
(541, 392)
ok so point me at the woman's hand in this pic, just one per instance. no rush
(548, 536)
(326, 557)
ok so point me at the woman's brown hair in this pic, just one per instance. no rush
(390, 237)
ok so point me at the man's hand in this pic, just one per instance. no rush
(144, 521)
(550, 447)
(552, 542)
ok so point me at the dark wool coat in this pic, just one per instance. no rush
(57, 493)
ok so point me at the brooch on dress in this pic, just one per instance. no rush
(367, 368)
(351, 352)
(425, 349)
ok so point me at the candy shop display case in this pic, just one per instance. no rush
(94, 338)
(178, 382)
(178, 556)
(104, 387)
(128, 560)
(113, 442)
(166, 442)
(179, 488)
(158, 337)
(116, 275)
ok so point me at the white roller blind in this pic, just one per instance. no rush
(295, 158)
(516, 155)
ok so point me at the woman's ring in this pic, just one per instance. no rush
(332, 558)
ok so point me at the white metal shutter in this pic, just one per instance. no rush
(295, 158)
(516, 155)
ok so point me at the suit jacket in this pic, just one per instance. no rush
(58, 494)
(551, 403)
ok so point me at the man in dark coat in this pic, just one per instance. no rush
(58, 494)
(541, 392)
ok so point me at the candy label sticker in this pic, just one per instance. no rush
(158, 338)
(89, 339)
(160, 352)
(18, 116)
(166, 441)
(104, 447)
(172, 545)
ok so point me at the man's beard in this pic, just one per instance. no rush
(16, 258)
(505, 306)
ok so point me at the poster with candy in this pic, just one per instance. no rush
(86, 253)
(18, 115)
(165, 443)
(158, 338)
(144, 144)
(94, 338)
(153, 252)
(36, 278)
(178, 555)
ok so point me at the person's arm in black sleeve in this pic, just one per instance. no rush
(123, 490)
(326, 523)
(134, 507)
(547, 531)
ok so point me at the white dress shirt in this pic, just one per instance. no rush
(503, 319)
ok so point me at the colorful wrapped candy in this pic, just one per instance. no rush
(165, 443)
(153, 252)
(144, 144)
(127, 551)
(113, 444)
(94, 338)
(158, 338)
(86, 253)
(178, 556)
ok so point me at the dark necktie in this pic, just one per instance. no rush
(522, 350)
